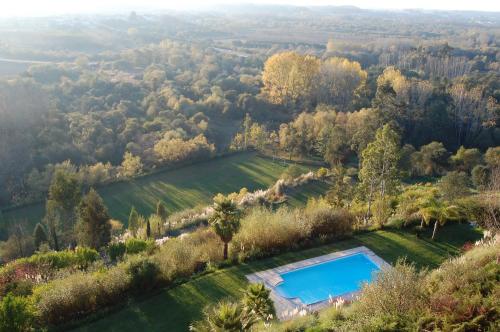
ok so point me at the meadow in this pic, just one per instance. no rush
(182, 188)
(175, 308)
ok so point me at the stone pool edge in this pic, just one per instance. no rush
(287, 308)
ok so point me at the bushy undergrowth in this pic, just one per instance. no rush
(20, 275)
(464, 293)
(181, 257)
(264, 232)
(80, 294)
(16, 314)
(135, 246)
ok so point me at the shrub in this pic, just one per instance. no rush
(79, 294)
(321, 173)
(492, 157)
(85, 257)
(16, 314)
(225, 316)
(395, 292)
(16, 247)
(264, 232)
(257, 302)
(65, 299)
(135, 246)
(454, 185)
(325, 221)
(183, 256)
(80, 258)
(480, 176)
(19, 276)
(116, 250)
(381, 212)
(463, 292)
(144, 273)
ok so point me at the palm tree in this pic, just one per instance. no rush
(225, 221)
(225, 316)
(440, 212)
(414, 200)
(256, 302)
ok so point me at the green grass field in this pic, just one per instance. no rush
(181, 188)
(174, 309)
(299, 196)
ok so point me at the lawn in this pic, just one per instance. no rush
(181, 188)
(174, 309)
(298, 197)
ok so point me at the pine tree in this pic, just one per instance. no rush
(148, 229)
(94, 228)
(247, 124)
(39, 235)
(161, 212)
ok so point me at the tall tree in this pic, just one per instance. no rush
(133, 221)
(379, 166)
(247, 124)
(289, 78)
(53, 220)
(391, 98)
(338, 82)
(64, 196)
(39, 236)
(93, 221)
(465, 159)
(454, 185)
(225, 221)
(148, 229)
(131, 165)
(161, 212)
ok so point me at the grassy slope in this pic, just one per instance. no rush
(174, 309)
(182, 188)
(299, 197)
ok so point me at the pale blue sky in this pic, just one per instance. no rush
(50, 7)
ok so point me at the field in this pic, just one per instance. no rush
(182, 188)
(174, 309)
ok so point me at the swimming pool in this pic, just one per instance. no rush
(316, 283)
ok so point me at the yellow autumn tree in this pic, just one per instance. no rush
(288, 78)
(393, 77)
(339, 80)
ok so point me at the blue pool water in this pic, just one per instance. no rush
(339, 276)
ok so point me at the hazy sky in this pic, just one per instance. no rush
(50, 7)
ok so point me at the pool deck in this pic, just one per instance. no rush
(287, 308)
